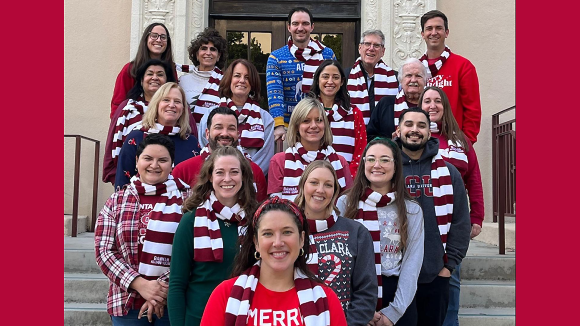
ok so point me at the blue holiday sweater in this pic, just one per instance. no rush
(283, 73)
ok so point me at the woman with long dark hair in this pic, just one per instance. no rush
(206, 239)
(271, 281)
(347, 124)
(379, 200)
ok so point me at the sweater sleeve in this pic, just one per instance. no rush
(381, 123)
(458, 236)
(215, 309)
(263, 156)
(180, 269)
(347, 175)
(471, 102)
(360, 141)
(126, 165)
(123, 84)
(410, 265)
(201, 131)
(276, 173)
(108, 257)
(337, 317)
(363, 299)
(472, 180)
(275, 90)
(260, 180)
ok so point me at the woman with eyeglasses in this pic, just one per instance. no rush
(240, 91)
(347, 124)
(209, 54)
(155, 44)
(339, 247)
(456, 149)
(168, 114)
(309, 139)
(379, 200)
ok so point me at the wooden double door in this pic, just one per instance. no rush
(254, 40)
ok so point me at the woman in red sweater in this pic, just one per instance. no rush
(155, 44)
(272, 284)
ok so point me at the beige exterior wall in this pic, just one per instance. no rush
(97, 45)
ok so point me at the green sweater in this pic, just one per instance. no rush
(190, 282)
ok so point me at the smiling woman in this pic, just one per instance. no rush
(168, 115)
(205, 241)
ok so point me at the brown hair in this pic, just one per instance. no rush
(203, 187)
(143, 55)
(361, 183)
(433, 14)
(150, 116)
(253, 79)
(449, 127)
(209, 34)
(300, 199)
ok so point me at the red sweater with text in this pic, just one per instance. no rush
(267, 307)
(458, 79)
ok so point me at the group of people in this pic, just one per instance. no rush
(363, 219)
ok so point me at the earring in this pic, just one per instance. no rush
(301, 251)
(257, 255)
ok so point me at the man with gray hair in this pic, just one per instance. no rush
(370, 79)
(385, 117)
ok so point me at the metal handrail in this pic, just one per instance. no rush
(75, 212)
(503, 167)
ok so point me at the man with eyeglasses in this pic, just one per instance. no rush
(290, 69)
(370, 78)
(439, 189)
(454, 74)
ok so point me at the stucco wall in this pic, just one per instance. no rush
(96, 48)
(484, 32)
(97, 45)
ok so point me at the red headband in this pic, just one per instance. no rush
(278, 200)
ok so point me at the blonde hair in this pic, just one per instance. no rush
(300, 199)
(150, 117)
(301, 110)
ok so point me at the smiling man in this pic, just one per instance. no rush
(370, 78)
(290, 69)
(454, 74)
(438, 188)
(385, 117)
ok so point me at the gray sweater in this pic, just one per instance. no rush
(418, 178)
(353, 279)
(404, 264)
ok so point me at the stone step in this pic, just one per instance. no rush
(85, 288)
(487, 316)
(484, 262)
(487, 294)
(81, 224)
(94, 314)
(490, 234)
(79, 254)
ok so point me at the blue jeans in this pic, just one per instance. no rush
(451, 318)
(131, 319)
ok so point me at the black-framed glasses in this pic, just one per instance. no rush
(155, 36)
(382, 160)
(374, 45)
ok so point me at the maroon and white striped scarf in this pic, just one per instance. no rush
(209, 97)
(312, 57)
(453, 153)
(385, 83)
(442, 197)
(317, 226)
(250, 123)
(435, 67)
(311, 296)
(130, 117)
(297, 159)
(367, 215)
(160, 129)
(163, 220)
(343, 133)
(207, 237)
(400, 105)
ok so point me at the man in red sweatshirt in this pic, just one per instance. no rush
(451, 72)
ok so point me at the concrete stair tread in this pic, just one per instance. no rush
(489, 282)
(83, 241)
(72, 306)
(85, 276)
(487, 311)
(479, 248)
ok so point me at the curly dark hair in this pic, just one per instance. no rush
(209, 35)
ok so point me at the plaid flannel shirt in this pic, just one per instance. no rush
(116, 248)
